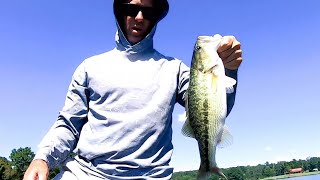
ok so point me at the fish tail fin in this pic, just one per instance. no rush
(218, 171)
(203, 174)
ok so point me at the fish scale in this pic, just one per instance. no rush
(206, 103)
(202, 125)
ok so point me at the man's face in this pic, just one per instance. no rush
(136, 27)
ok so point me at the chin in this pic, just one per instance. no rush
(135, 40)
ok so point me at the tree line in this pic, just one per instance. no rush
(19, 160)
(257, 172)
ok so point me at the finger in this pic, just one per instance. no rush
(227, 42)
(43, 175)
(30, 176)
(231, 49)
(233, 65)
(233, 56)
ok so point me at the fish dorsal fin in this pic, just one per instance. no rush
(229, 83)
(226, 138)
(186, 128)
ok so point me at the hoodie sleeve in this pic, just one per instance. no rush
(232, 96)
(183, 83)
(63, 136)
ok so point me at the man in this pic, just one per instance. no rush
(118, 110)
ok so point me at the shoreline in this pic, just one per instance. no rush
(286, 176)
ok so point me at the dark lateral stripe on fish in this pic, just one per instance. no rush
(206, 134)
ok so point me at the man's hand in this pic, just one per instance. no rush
(230, 52)
(38, 170)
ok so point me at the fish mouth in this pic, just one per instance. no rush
(205, 39)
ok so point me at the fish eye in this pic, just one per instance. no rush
(198, 48)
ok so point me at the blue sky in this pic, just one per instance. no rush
(276, 114)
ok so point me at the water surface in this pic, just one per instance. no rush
(311, 177)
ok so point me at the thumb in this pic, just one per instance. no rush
(31, 176)
(226, 43)
(42, 176)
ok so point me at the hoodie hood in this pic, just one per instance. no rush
(147, 43)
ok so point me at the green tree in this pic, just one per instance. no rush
(250, 172)
(313, 163)
(6, 172)
(279, 168)
(257, 172)
(21, 158)
(2, 169)
(53, 172)
(305, 165)
(287, 167)
(235, 173)
(268, 172)
(187, 175)
(295, 164)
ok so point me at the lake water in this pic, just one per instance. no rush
(312, 177)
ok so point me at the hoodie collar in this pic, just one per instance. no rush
(122, 44)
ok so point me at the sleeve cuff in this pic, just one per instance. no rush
(50, 160)
(232, 73)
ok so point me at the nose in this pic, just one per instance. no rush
(139, 16)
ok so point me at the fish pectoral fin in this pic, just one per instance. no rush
(214, 84)
(187, 129)
(226, 138)
(229, 83)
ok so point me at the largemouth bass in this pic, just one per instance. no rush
(206, 103)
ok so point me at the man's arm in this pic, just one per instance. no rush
(183, 83)
(231, 54)
(231, 97)
(62, 138)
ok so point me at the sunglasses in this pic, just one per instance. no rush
(132, 10)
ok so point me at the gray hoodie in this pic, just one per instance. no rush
(117, 115)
